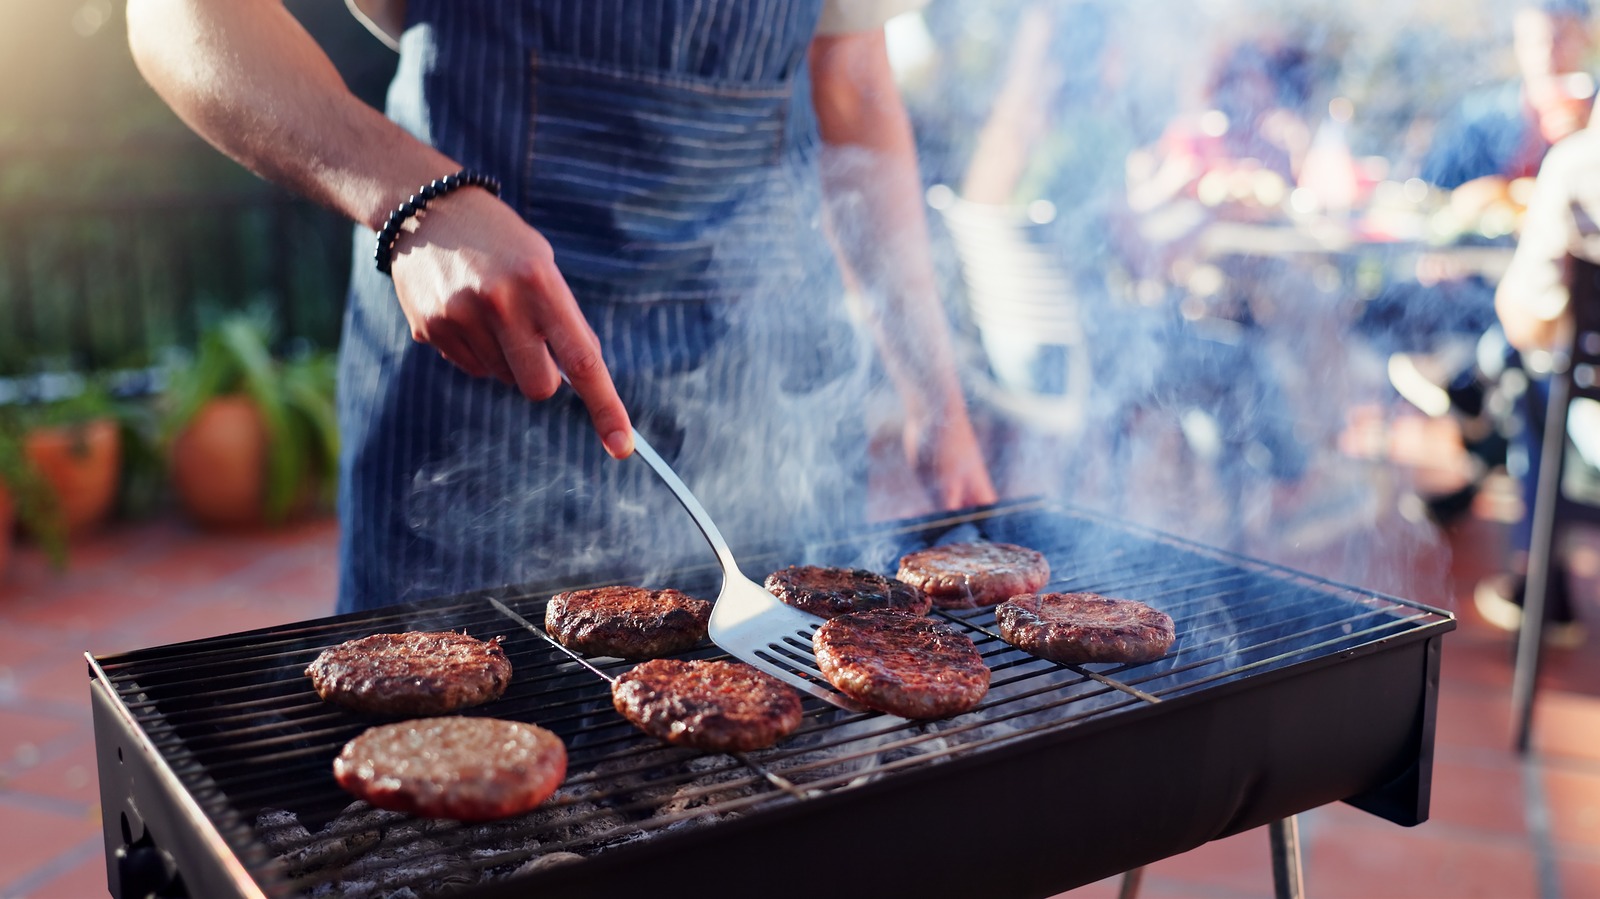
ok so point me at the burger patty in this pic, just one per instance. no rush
(968, 575)
(627, 622)
(469, 769)
(720, 706)
(412, 673)
(1085, 627)
(830, 592)
(904, 665)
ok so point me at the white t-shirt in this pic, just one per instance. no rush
(385, 18)
(1561, 220)
(844, 16)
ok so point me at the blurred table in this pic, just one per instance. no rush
(1329, 241)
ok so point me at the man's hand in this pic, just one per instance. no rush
(875, 197)
(948, 459)
(480, 286)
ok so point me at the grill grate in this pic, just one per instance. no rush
(239, 726)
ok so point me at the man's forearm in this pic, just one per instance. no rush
(876, 197)
(249, 79)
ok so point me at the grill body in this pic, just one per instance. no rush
(1283, 693)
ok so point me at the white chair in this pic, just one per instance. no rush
(1026, 314)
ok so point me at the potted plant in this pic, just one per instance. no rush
(26, 497)
(250, 438)
(75, 445)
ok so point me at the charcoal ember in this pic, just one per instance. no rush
(303, 852)
(704, 791)
(667, 785)
(280, 830)
(551, 860)
(367, 852)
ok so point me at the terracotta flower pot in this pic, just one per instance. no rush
(219, 463)
(83, 466)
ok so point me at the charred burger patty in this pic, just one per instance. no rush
(468, 769)
(627, 622)
(904, 665)
(968, 575)
(720, 706)
(1085, 627)
(830, 592)
(412, 673)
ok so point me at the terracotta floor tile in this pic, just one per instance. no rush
(315, 530)
(81, 610)
(1573, 670)
(62, 677)
(315, 581)
(17, 650)
(1476, 660)
(226, 614)
(189, 566)
(1573, 798)
(1423, 862)
(1157, 886)
(1566, 724)
(1242, 862)
(1579, 876)
(35, 837)
(1474, 717)
(125, 540)
(1486, 795)
(25, 736)
(69, 774)
(1100, 889)
(83, 880)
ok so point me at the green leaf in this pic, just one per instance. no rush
(309, 388)
(213, 373)
(285, 454)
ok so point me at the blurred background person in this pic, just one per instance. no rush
(1232, 157)
(1534, 306)
(1439, 330)
(1251, 122)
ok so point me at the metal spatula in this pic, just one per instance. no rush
(747, 621)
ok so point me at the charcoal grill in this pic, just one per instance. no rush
(1283, 692)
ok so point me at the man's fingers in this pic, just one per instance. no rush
(487, 349)
(973, 489)
(531, 366)
(576, 350)
(458, 353)
(587, 373)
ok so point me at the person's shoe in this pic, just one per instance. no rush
(1446, 508)
(1416, 386)
(1498, 600)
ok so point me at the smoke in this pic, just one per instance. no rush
(1201, 390)
(1236, 325)
(758, 402)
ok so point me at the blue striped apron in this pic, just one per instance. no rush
(669, 151)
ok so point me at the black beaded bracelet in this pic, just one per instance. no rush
(387, 237)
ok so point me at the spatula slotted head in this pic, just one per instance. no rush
(754, 627)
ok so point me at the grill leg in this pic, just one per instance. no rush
(1130, 883)
(1286, 880)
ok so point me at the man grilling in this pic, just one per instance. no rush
(658, 236)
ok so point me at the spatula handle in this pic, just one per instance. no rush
(696, 511)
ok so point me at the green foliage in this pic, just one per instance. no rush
(295, 398)
(35, 501)
(91, 401)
